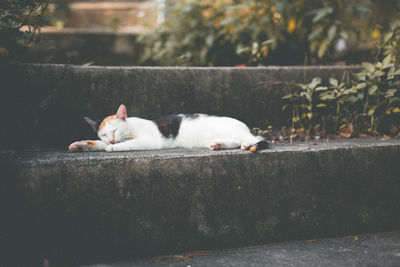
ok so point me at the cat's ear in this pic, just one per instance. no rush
(121, 113)
(94, 124)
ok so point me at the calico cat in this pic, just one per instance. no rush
(120, 133)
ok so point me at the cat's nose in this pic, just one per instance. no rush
(111, 141)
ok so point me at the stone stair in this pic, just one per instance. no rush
(76, 208)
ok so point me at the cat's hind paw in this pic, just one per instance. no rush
(251, 147)
(245, 147)
(216, 146)
(263, 144)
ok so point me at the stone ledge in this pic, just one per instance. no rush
(95, 207)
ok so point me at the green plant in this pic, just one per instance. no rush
(20, 21)
(303, 106)
(370, 104)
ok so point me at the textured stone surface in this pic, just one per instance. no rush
(381, 249)
(43, 105)
(97, 207)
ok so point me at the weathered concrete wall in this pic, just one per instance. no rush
(94, 207)
(43, 105)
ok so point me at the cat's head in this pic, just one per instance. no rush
(113, 129)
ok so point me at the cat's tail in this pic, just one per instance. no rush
(256, 144)
(261, 145)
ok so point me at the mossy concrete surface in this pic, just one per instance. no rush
(77, 208)
(43, 105)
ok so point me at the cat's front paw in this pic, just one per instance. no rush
(110, 148)
(78, 146)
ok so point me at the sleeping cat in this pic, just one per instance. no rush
(120, 133)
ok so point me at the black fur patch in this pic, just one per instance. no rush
(191, 116)
(169, 125)
(263, 144)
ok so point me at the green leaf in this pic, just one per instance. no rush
(372, 89)
(316, 32)
(242, 50)
(321, 13)
(302, 86)
(368, 67)
(333, 82)
(332, 32)
(269, 41)
(210, 40)
(313, 46)
(391, 92)
(314, 82)
(287, 96)
(327, 97)
(395, 24)
(386, 61)
(321, 88)
(379, 73)
(307, 95)
(390, 74)
(394, 100)
(254, 48)
(323, 47)
(388, 36)
(344, 34)
(322, 105)
(371, 111)
(360, 86)
(352, 99)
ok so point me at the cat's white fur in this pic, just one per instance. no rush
(124, 134)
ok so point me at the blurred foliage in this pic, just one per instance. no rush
(255, 32)
(20, 22)
(368, 105)
(58, 11)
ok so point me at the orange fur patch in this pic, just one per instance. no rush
(107, 119)
(91, 143)
(254, 148)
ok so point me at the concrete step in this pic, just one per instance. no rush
(51, 100)
(380, 249)
(77, 208)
